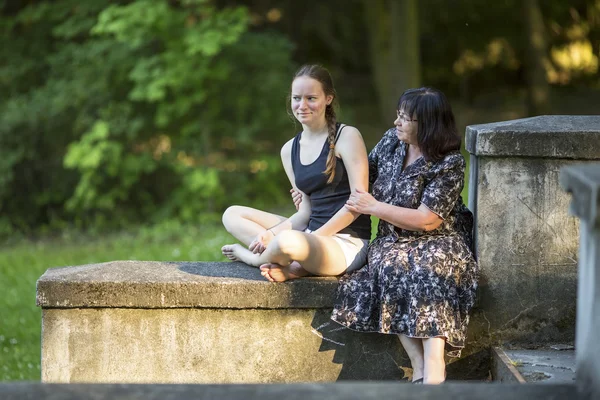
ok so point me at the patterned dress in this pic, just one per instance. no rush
(421, 284)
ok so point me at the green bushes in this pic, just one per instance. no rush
(137, 111)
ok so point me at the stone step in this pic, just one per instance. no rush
(547, 365)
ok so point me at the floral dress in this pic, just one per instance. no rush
(421, 284)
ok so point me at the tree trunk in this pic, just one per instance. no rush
(538, 90)
(393, 29)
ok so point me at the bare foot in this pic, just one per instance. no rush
(279, 273)
(228, 251)
(237, 252)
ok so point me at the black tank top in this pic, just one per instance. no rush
(326, 199)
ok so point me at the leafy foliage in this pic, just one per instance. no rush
(144, 110)
(135, 110)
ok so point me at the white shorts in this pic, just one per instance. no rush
(355, 250)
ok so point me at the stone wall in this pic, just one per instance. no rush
(159, 322)
(526, 242)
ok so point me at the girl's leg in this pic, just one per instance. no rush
(244, 223)
(435, 365)
(318, 255)
(414, 349)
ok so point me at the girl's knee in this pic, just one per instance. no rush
(231, 215)
(289, 243)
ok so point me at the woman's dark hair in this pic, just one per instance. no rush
(436, 134)
(322, 75)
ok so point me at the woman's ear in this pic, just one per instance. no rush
(329, 99)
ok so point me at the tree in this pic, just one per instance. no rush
(137, 111)
(536, 51)
(393, 28)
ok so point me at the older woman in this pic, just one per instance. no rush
(421, 276)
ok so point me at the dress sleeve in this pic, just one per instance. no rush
(442, 191)
(375, 155)
(373, 161)
(373, 173)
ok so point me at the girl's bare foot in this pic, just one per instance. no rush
(228, 251)
(277, 273)
(237, 252)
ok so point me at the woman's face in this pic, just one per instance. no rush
(406, 127)
(309, 101)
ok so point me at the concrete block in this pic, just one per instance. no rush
(157, 322)
(503, 368)
(583, 181)
(526, 243)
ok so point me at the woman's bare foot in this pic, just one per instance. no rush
(237, 252)
(277, 273)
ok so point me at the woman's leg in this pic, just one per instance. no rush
(414, 349)
(244, 223)
(435, 365)
(318, 255)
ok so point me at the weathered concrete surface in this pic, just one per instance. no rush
(332, 391)
(583, 181)
(147, 322)
(110, 345)
(548, 136)
(544, 365)
(527, 244)
(151, 284)
(503, 370)
(527, 247)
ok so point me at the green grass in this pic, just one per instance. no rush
(22, 263)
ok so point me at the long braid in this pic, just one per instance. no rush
(331, 119)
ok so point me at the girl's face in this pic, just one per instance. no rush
(406, 127)
(309, 101)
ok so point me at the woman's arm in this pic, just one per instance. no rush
(351, 148)
(437, 201)
(420, 219)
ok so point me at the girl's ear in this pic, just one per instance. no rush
(329, 99)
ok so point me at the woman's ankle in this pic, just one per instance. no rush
(418, 371)
(435, 373)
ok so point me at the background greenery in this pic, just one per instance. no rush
(127, 126)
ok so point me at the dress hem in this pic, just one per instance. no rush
(455, 352)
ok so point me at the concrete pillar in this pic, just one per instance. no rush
(583, 182)
(526, 242)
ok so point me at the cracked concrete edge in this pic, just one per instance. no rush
(546, 136)
(503, 369)
(153, 284)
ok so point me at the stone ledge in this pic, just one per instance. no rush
(503, 370)
(548, 136)
(151, 284)
(304, 391)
